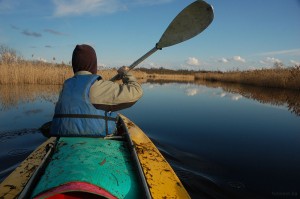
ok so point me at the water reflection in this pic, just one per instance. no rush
(219, 142)
(278, 97)
(5, 136)
(273, 96)
(13, 95)
(15, 146)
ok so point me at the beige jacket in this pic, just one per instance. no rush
(112, 96)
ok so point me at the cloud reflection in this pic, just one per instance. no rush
(234, 97)
(192, 91)
(223, 95)
(13, 95)
(278, 97)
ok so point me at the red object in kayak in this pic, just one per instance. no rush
(76, 190)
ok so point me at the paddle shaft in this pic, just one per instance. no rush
(137, 62)
(145, 56)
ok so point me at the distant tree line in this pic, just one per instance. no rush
(162, 70)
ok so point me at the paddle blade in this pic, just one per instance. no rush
(191, 21)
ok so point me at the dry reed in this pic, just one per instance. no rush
(23, 72)
(174, 77)
(33, 73)
(288, 78)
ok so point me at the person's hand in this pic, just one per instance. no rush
(123, 70)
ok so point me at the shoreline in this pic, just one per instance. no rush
(283, 78)
(55, 74)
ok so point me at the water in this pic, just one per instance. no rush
(223, 140)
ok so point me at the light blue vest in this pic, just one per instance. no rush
(75, 116)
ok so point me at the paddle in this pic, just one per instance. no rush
(191, 21)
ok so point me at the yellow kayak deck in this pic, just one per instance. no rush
(13, 185)
(161, 178)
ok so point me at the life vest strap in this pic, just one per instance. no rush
(84, 116)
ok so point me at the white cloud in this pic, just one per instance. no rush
(295, 62)
(231, 59)
(153, 65)
(42, 59)
(272, 60)
(269, 61)
(79, 7)
(223, 60)
(148, 65)
(239, 59)
(101, 66)
(262, 62)
(192, 61)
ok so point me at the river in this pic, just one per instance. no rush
(223, 140)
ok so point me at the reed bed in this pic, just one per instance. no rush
(174, 77)
(287, 78)
(33, 73)
(29, 72)
(24, 72)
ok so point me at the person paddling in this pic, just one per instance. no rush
(86, 102)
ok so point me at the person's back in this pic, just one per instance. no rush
(86, 98)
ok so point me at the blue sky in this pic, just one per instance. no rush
(244, 34)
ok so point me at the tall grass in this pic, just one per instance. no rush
(33, 72)
(23, 72)
(29, 72)
(288, 78)
(174, 77)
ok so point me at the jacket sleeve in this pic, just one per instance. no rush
(112, 96)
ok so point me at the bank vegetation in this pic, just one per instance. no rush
(38, 72)
(16, 70)
(287, 78)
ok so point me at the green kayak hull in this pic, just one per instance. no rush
(93, 161)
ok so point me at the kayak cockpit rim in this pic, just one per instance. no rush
(33, 180)
(135, 157)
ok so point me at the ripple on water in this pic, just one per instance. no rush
(8, 135)
(18, 152)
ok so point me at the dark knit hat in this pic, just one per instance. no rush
(84, 58)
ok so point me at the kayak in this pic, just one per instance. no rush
(124, 165)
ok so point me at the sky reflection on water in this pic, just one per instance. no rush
(221, 140)
(242, 145)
